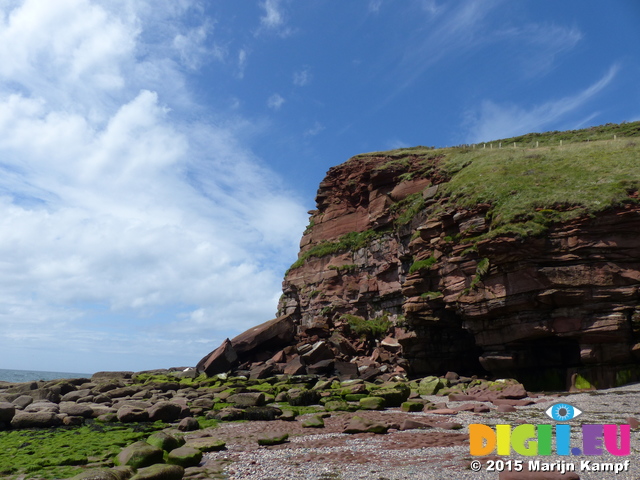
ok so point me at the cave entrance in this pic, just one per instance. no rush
(546, 363)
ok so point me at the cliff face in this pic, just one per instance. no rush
(461, 279)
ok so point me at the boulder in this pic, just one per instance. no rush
(130, 413)
(188, 424)
(372, 403)
(313, 421)
(299, 397)
(409, 424)
(262, 413)
(160, 472)
(319, 351)
(430, 385)
(140, 454)
(42, 419)
(322, 367)
(76, 409)
(295, 367)
(44, 406)
(248, 399)
(105, 474)
(7, 411)
(229, 414)
(412, 406)
(268, 336)
(165, 411)
(362, 425)
(275, 438)
(23, 401)
(206, 444)
(165, 441)
(221, 360)
(185, 457)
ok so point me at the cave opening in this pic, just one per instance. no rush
(547, 363)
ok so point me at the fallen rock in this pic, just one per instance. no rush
(165, 441)
(165, 411)
(188, 424)
(206, 444)
(362, 425)
(7, 411)
(35, 420)
(185, 457)
(410, 424)
(314, 421)
(221, 360)
(131, 413)
(118, 473)
(273, 439)
(373, 403)
(139, 454)
(160, 472)
(249, 399)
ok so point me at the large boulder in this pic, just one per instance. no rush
(35, 420)
(160, 472)
(185, 457)
(140, 454)
(268, 336)
(165, 411)
(7, 411)
(165, 441)
(221, 360)
(76, 409)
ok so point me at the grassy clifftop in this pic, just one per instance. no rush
(542, 179)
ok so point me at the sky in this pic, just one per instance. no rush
(158, 157)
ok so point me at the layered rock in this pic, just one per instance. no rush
(552, 310)
(397, 274)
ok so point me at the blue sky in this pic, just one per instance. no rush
(158, 158)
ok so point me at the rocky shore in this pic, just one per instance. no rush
(284, 426)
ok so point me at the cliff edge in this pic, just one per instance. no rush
(518, 258)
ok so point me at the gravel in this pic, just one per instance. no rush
(327, 454)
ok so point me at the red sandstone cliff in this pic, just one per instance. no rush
(398, 273)
(541, 308)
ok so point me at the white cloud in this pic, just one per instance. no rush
(125, 226)
(493, 120)
(275, 101)
(274, 19)
(315, 130)
(374, 5)
(242, 62)
(302, 77)
(273, 16)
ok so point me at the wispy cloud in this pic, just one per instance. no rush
(302, 77)
(315, 130)
(274, 19)
(123, 220)
(374, 5)
(275, 101)
(493, 120)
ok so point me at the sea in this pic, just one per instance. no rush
(17, 376)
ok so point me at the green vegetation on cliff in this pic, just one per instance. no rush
(545, 178)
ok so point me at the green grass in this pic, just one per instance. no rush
(373, 328)
(530, 189)
(422, 264)
(349, 242)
